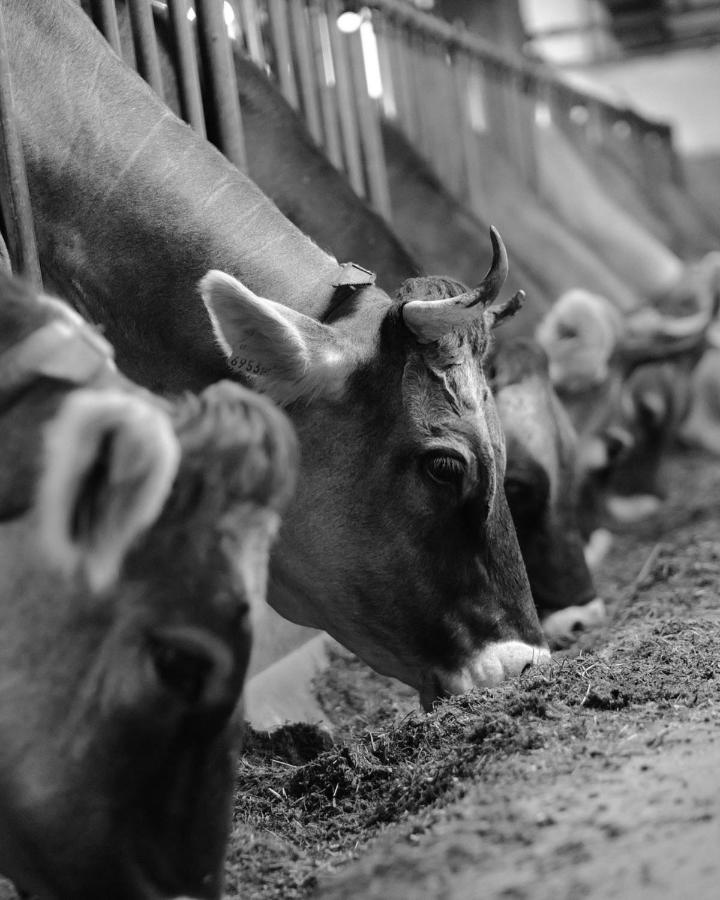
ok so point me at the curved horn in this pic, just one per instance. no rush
(429, 320)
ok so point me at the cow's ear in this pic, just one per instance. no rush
(271, 347)
(110, 461)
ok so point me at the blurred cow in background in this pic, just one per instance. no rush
(134, 540)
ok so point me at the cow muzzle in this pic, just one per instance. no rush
(495, 663)
(563, 627)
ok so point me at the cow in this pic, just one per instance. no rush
(626, 383)
(134, 538)
(399, 541)
(542, 486)
(286, 163)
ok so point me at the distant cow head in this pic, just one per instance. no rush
(580, 335)
(400, 502)
(541, 485)
(656, 399)
(127, 584)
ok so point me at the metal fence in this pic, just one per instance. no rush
(446, 89)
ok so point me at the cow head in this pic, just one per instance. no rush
(580, 335)
(655, 398)
(400, 503)
(542, 489)
(126, 589)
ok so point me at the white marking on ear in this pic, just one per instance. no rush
(110, 461)
(275, 349)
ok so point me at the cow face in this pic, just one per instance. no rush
(542, 490)
(126, 590)
(656, 396)
(400, 503)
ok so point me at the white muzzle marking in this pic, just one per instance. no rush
(495, 663)
(597, 548)
(634, 508)
(563, 626)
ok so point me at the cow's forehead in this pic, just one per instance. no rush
(526, 414)
(443, 397)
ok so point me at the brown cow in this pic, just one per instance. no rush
(134, 544)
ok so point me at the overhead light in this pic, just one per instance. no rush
(349, 22)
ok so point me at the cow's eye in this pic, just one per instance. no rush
(444, 469)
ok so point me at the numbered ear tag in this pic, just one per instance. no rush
(250, 368)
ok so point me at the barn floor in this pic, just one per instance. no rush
(597, 778)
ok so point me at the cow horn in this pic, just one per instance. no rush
(429, 320)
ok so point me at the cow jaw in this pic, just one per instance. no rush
(495, 663)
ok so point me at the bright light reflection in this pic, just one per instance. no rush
(371, 60)
(543, 116)
(228, 13)
(348, 22)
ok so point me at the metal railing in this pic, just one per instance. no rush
(446, 89)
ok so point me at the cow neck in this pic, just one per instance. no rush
(132, 207)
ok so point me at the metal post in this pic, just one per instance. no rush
(222, 84)
(325, 75)
(105, 17)
(251, 26)
(146, 50)
(347, 108)
(284, 69)
(187, 66)
(370, 136)
(308, 82)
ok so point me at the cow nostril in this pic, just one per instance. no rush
(526, 667)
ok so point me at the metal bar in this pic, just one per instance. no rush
(308, 83)
(187, 66)
(325, 74)
(347, 108)
(463, 72)
(285, 71)
(105, 17)
(370, 136)
(14, 191)
(146, 50)
(222, 83)
(250, 19)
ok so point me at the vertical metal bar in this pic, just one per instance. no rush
(416, 85)
(250, 19)
(522, 98)
(346, 103)
(222, 84)
(277, 10)
(325, 74)
(370, 137)
(308, 84)
(105, 17)
(382, 36)
(146, 51)
(404, 95)
(187, 66)
(464, 71)
(14, 192)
